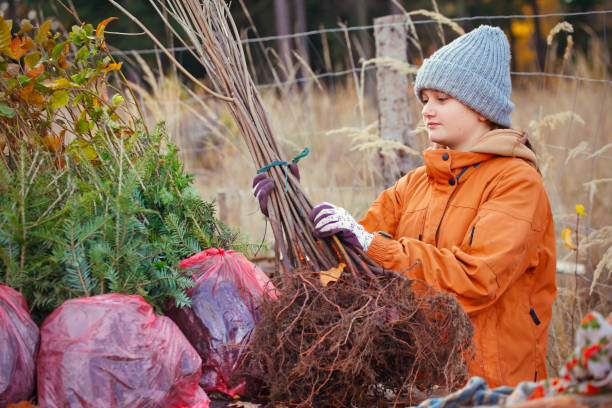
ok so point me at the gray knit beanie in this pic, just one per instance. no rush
(475, 69)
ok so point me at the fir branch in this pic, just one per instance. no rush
(69, 190)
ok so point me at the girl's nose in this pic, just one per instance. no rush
(427, 110)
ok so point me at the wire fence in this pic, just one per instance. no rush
(596, 133)
(364, 28)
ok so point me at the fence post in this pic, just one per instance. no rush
(222, 207)
(395, 122)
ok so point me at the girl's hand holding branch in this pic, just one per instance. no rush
(263, 186)
(330, 220)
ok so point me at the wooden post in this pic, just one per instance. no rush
(395, 122)
(222, 206)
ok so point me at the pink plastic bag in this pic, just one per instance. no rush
(18, 343)
(223, 314)
(113, 351)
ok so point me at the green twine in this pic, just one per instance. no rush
(285, 164)
(296, 159)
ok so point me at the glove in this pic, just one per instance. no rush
(330, 220)
(263, 185)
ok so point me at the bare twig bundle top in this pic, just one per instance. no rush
(210, 35)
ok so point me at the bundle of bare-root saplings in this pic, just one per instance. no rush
(358, 341)
(368, 337)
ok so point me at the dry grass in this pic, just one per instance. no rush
(338, 121)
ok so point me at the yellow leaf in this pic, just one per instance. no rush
(82, 149)
(60, 83)
(43, 32)
(331, 275)
(102, 26)
(32, 59)
(5, 33)
(113, 67)
(580, 210)
(26, 26)
(566, 235)
(59, 99)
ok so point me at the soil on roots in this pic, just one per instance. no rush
(358, 342)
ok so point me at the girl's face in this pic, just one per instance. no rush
(451, 123)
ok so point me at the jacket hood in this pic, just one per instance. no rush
(506, 142)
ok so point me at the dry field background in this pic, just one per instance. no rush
(336, 117)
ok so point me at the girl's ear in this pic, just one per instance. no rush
(482, 118)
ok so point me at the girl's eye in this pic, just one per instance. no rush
(442, 98)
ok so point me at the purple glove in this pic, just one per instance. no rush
(263, 185)
(330, 220)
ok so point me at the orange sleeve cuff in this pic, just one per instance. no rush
(379, 249)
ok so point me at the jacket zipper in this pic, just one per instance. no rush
(422, 225)
(444, 212)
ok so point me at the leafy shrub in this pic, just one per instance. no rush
(90, 202)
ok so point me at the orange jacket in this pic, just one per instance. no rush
(478, 224)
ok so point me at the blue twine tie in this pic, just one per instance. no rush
(285, 164)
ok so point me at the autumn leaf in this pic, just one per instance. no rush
(27, 44)
(566, 235)
(80, 147)
(33, 73)
(32, 59)
(61, 61)
(331, 275)
(102, 26)
(81, 126)
(43, 32)
(26, 26)
(117, 99)
(57, 50)
(580, 210)
(59, 99)
(243, 404)
(53, 143)
(5, 33)
(113, 67)
(22, 404)
(16, 49)
(32, 96)
(60, 83)
(19, 47)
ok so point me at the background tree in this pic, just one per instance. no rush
(283, 27)
(275, 17)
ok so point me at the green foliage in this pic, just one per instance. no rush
(52, 87)
(120, 225)
(90, 202)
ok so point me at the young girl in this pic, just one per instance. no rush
(475, 221)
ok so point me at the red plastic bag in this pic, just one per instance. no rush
(223, 314)
(18, 344)
(113, 351)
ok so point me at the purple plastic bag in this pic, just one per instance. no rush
(18, 344)
(113, 351)
(223, 314)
